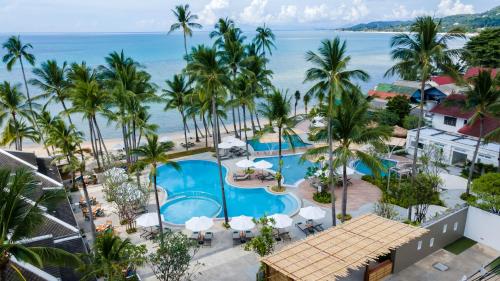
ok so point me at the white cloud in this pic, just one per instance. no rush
(356, 11)
(255, 13)
(209, 15)
(450, 7)
(315, 13)
(287, 13)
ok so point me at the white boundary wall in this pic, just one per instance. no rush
(483, 227)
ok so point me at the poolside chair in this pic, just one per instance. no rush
(207, 240)
(226, 156)
(268, 177)
(318, 227)
(249, 235)
(285, 236)
(306, 230)
(237, 177)
(236, 238)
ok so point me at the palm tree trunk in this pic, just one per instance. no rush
(217, 129)
(245, 128)
(206, 129)
(295, 109)
(86, 195)
(280, 163)
(330, 160)
(196, 129)
(474, 157)
(102, 140)
(216, 146)
(16, 141)
(223, 125)
(239, 123)
(158, 207)
(344, 191)
(125, 144)
(305, 109)
(258, 121)
(417, 139)
(94, 146)
(253, 124)
(185, 134)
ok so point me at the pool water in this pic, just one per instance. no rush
(270, 146)
(361, 167)
(194, 190)
(293, 169)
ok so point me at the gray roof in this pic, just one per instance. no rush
(29, 157)
(75, 246)
(51, 225)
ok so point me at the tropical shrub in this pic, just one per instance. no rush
(346, 217)
(484, 49)
(322, 197)
(487, 189)
(113, 178)
(385, 210)
(400, 106)
(410, 122)
(263, 243)
(385, 117)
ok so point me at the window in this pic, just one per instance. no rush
(420, 145)
(445, 227)
(450, 121)
(419, 245)
(431, 243)
(455, 226)
(465, 122)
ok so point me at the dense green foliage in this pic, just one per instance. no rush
(484, 49)
(263, 243)
(487, 189)
(323, 197)
(400, 106)
(472, 22)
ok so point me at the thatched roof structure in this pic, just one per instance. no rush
(330, 254)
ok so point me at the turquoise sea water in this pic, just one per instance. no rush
(294, 170)
(194, 190)
(161, 55)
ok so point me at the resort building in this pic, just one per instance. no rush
(59, 228)
(450, 117)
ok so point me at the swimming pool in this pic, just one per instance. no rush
(195, 191)
(293, 170)
(269, 146)
(361, 167)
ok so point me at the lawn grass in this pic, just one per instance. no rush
(460, 245)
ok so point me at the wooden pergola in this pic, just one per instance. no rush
(330, 254)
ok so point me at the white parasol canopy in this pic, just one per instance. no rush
(225, 145)
(241, 223)
(349, 171)
(237, 143)
(312, 213)
(199, 223)
(228, 139)
(117, 147)
(148, 220)
(263, 164)
(319, 124)
(281, 220)
(245, 163)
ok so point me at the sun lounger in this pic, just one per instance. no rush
(237, 177)
(305, 229)
(236, 238)
(226, 156)
(249, 235)
(207, 239)
(318, 227)
(285, 236)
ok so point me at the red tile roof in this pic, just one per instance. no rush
(384, 95)
(490, 124)
(443, 80)
(444, 108)
(474, 71)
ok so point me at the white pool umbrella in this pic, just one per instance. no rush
(117, 147)
(281, 220)
(228, 139)
(164, 139)
(148, 220)
(319, 124)
(245, 163)
(241, 223)
(312, 213)
(263, 164)
(199, 223)
(225, 145)
(237, 143)
(349, 171)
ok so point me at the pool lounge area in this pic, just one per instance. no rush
(258, 146)
(294, 169)
(194, 190)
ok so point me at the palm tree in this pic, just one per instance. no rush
(16, 131)
(111, 257)
(185, 22)
(16, 50)
(212, 75)
(278, 110)
(222, 26)
(332, 77)
(297, 98)
(483, 97)
(13, 107)
(351, 125)
(67, 141)
(264, 40)
(20, 218)
(175, 95)
(246, 101)
(420, 54)
(153, 153)
(306, 98)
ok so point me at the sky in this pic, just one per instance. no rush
(27, 16)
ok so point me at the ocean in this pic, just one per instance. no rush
(162, 57)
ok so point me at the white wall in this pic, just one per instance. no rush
(483, 227)
(438, 123)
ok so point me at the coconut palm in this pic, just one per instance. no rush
(482, 97)
(13, 108)
(278, 110)
(212, 75)
(17, 51)
(185, 21)
(331, 76)
(20, 218)
(420, 54)
(245, 100)
(351, 127)
(306, 98)
(111, 257)
(152, 154)
(222, 26)
(297, 99)
(175, 96)
(16, 131)
(264, 40)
